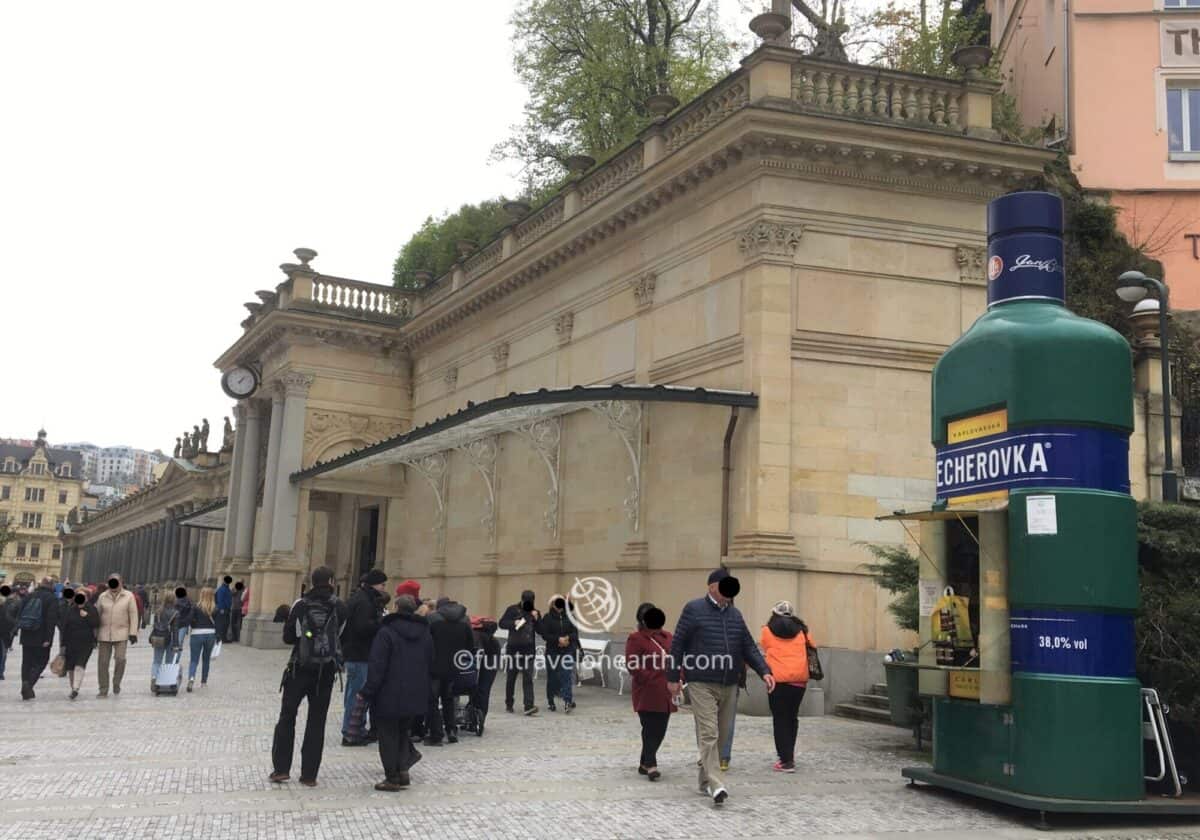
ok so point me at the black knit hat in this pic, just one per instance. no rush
(322, 575)
(718, 575)
(375, 577)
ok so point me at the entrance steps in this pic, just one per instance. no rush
(871, 705)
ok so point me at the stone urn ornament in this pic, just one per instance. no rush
(971, 58)
(423, 277)
(465, 247)
(516, 209)
(770, 26)
(661, 104)
(579, 164)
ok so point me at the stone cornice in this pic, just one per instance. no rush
(307, 326)
(864, 350)
(774, 136)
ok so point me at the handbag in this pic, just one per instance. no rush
(815, 671)
(216, 651)
(356, 728)
(59, 666)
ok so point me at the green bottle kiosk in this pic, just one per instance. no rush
(1028, 579)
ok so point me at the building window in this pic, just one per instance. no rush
(20, 549)
(56, 552)
(35, 494)
(60, 521)
(34, 550)
(31, 520)
(1181, 4)
(1183, 118)
(5, 492)
(62, 497)
(10, 465)
(65, 470)
(39, 469)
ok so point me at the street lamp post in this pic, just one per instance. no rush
(1132, 286)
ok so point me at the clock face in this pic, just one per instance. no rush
(240, 382)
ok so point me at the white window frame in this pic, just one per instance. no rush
(1176, 78)
(1161, 5)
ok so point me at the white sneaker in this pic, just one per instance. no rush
(704, 790)
(720, 795)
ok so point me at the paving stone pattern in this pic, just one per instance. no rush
(196, 765)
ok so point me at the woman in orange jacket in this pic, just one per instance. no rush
(785, 641)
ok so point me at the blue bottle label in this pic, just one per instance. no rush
(1082, 644)
(1025, 266)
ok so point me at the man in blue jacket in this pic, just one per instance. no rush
(712, 646)
(224, 603)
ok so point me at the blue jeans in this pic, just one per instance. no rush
(202, 647)
(560, 676)
(356, 678)
(3, 657)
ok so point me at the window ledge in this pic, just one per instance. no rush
(1184, 157)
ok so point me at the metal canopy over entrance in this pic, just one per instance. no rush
(210, 518)
(518, 413)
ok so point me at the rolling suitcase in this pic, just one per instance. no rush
(170, 675)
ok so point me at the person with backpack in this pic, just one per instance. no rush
(453, 649)
(520, 620)
(163, 635)
(785, 642)
(364, 611)
(118, 630)
(562, 642)
(203, 635)
(398, 687)
(79, 628)
(36, 621)
(313, 629)
(10, 608)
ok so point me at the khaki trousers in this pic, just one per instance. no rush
(713, 708)
(107, 652)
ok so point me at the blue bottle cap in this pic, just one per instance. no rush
(1025, 248)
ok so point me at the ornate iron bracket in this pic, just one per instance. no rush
(433, 468)
(626, 418)
(545, 436)
(482, 453)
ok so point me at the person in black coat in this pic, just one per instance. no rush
(485, 642)
(364, 611)
(398, 687)
(453, 641)
(36, 640)
(79, 626)
(520, 620)
(562, 642)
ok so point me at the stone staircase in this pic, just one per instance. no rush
(871, 705)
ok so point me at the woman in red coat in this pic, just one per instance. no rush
(646, 659)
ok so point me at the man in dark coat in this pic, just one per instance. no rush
(313, 629)
(364, 611)
(520, 620)
(37, 634)
(453, 646)
(713, 645)
(398, 687)
(562, 642)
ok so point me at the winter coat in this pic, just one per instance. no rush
(118, 615)
(44, 634)
(717, 639)
(10, 608)
(295, 618)
(364, 612)
(647, 666)
(398, 683)
(451, 633)
(200, 620)
(79, 631)
(485, 640)
(784, 641)
(508, 621)
(185, 607)
(224, 597)
(552, 626)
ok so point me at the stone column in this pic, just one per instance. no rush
(248, 483)
(262, 540)
(168, 559)
(286, 502)
(233, 492)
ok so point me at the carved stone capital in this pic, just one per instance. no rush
(769, 239)
(972, 263)
(643, 289)
(563, 325)
(296, 383)
(500, 355)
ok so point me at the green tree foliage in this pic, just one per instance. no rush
(590, 65)
(921, 37)
(896, 570)
(434, 247)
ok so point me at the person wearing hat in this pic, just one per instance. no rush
(364, 611)
(411, 588)
(785, 642)
(313, 630)
(646, 654)
(712, 645)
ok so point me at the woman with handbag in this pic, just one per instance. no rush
(646, 657)
(80, 623)
(785, 642)
(203, 634)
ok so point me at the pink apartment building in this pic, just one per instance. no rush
(1117, 83)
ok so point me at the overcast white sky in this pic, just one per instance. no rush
(158, 161)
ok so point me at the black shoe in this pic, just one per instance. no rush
(74, 694)
(372, 738)
(508, 709)
(433, 742)
(346, 742)
(26, 691)
(414, 756)
(642, 771)
(569, 707)
(451, 739)
(531, 711)
(551, 707)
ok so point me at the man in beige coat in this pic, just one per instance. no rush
(118, 628)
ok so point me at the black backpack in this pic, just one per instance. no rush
(164, 627)
(320, 636)
(31, 613)
(9, 611)
(522, 637)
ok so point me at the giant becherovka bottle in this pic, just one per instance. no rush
(1036, 404)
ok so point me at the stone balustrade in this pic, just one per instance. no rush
(357, 298)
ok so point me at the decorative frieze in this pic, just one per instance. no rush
(331, 425)
(771, 239)
(643, 289)
(295, 383)
(563, 325)
(972, 263)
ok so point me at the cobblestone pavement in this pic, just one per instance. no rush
(196, 765)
